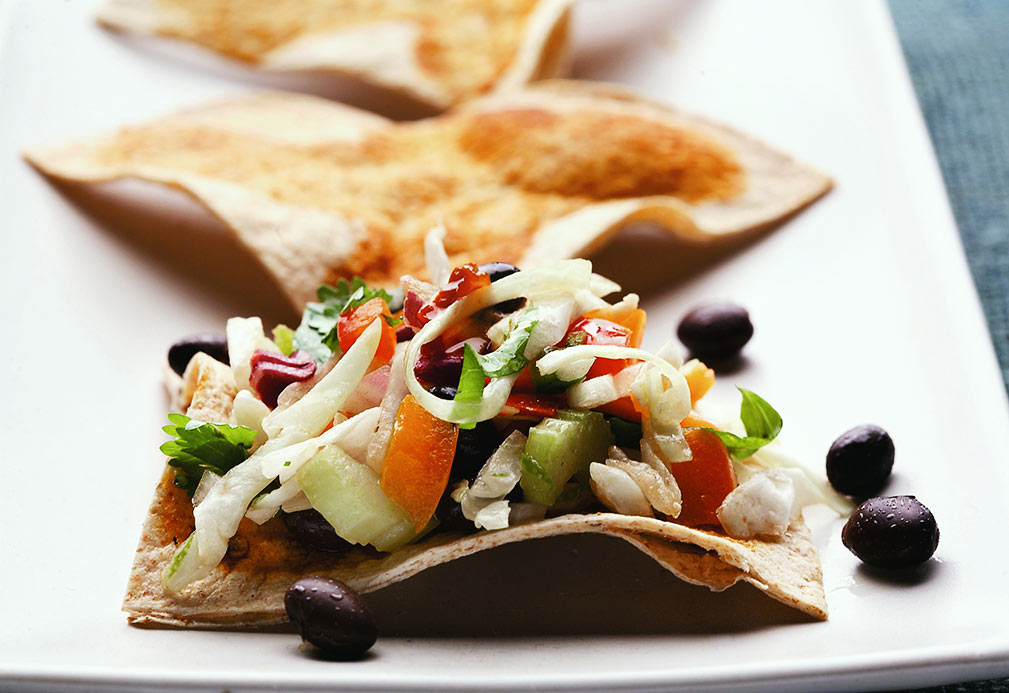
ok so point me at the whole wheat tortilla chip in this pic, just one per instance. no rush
(319, 191)
(247, 588)
(440, 52)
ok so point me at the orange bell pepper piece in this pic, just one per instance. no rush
(354, 322)
(416, 468)
(699, 377)
(705, 480)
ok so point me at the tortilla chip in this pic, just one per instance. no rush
(439, 52)
(319, 191)
(247, 588)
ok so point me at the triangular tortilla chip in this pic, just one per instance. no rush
(247, 588)
(439, 52)
(319, 191)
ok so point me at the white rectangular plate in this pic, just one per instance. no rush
(864, 312)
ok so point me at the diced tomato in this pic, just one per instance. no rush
(633, 321)
(416, 467)
(529, 405)
(705, 480)
(354, 322)
(624, 407)
(463, 281)
(603, 332)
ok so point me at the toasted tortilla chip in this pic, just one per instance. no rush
(319, 191)
(439, 52)
(247, 588)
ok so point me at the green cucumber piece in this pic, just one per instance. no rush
(347, 493)
(559, 449)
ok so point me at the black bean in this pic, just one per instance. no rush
(331, 616)
(443, 391)
(860, 460)
(451, 519)
(474, 447)
(716, 330)
(312, 531)
(180, 353)
(498, 270)
(891, 532)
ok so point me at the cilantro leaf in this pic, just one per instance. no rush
(200, 447)
(510, 356)
(317, 333)
(762, 424)
(471, 379)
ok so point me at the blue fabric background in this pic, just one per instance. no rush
(958, 54)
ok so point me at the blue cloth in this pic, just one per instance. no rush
(958, 54)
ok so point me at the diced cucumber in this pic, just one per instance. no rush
(348, 495)
(560, 448)
(401, 533)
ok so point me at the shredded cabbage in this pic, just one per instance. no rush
(395, 393)
(249, 411)
(617, 491)
(245, 336)
(591, 393)
(484, 503)
(313, 412)
(537, 284)
(438, 266)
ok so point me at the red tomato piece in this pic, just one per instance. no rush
(463, 281)
(603, 332)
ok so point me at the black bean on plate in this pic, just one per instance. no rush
(891, 532)
(715, 330)
(859, 462)
(182, 352)
(331, 616)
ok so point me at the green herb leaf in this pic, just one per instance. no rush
(762, 424)
(283, 337)
(759, 418)
(471, 379)
(510, 356)
(200, 447)
(317, 333)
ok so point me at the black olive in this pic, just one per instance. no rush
(474, 447)
(331, 616)
(180, 353)
(891, 532)
(860, 460)
(500, 270)
(312, 531)
(715, 331)
(443, 391)
(451, 519)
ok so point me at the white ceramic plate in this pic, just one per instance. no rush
(864, 312)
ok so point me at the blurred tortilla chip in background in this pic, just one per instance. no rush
(318, 191)
(438, 52)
